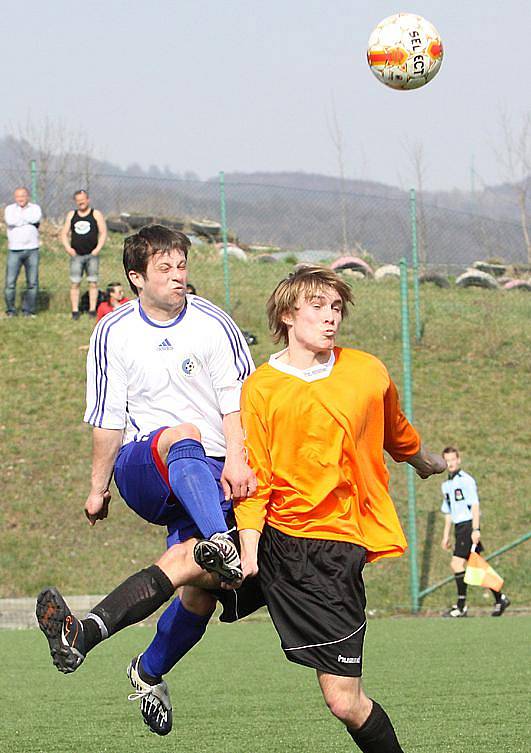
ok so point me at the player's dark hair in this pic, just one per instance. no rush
(309, 280)
(78, 193)
(151, 240)
(449, 449)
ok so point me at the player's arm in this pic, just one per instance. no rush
(445, 542)
(65, 234)
(402, 441)
(106, 413)
(237, 478)
(102, 231)
(476, 535)
(251, 511)
(106, 444)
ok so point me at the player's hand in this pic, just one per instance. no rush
(428, 463)
(445, 544)
(476, 535)
(237, 478)
(71, 252)
(249, 566)
(97, 506)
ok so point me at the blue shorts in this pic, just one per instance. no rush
(142, 480)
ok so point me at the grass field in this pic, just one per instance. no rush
(471, 387)
(449, 686)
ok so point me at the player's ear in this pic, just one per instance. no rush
(136, 278)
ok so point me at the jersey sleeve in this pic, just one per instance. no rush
(250, 512)
(471, 491)
(106, 381)
(229, 363)
(445, 507)
(401, 440)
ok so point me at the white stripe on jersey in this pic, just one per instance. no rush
(142, 374)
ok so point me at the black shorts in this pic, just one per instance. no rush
(315, 595)
(463, 540)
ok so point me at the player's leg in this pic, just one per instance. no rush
(138, 597)
(458, 566)
(365, 720)
(194, 479)
(180, 627)
(190, 478)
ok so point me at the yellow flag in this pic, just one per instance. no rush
(479, 573)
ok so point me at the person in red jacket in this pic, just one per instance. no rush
(114, 298)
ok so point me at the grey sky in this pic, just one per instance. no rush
(243, 85)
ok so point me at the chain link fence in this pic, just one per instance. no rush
(269, 222)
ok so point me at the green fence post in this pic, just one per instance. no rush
(415, 262)
(224, 238)
(33, 169)
(408, 410)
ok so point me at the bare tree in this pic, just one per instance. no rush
(514, 157)
(63, 159)
(337, 139)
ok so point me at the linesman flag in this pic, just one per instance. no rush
(479, 573)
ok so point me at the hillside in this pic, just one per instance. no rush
(471, 382)
(296, 211)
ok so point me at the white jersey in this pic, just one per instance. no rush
(143, 374)
(459, 494)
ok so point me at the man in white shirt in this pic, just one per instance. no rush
(22, 220)
(164, 377)
(460, 507)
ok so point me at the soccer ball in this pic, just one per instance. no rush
(404, 51)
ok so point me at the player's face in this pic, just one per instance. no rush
(453, 461)
(21, 197)
(314, 323)
(164, 284)
(82, 202)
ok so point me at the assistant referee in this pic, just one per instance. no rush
(461, 507)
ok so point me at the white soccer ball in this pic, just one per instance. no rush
(405, 51)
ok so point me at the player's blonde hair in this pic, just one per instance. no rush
(308, 280)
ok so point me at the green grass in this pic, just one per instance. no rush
(471, 387)
(449, 686)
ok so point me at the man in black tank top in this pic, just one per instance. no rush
(83, 236)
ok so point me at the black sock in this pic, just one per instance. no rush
(461, 588)
(376, 735)
(132, 601)
(497, 595)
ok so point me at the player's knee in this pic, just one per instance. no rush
(197, 600)
(349, 706)
(182, 431)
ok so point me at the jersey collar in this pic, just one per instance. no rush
(313, 374)
(161, 325)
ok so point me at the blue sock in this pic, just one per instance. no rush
(178, 630)
(195, 487)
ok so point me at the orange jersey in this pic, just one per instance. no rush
(317, 450)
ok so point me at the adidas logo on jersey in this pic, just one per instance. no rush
(165, 345)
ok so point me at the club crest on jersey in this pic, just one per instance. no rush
(459, 496)
(190, 366)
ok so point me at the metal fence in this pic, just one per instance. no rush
(304, 222)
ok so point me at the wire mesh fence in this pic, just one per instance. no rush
(268, 222)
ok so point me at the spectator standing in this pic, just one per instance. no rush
(22, 220)
(83, 236)
(114, 297)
